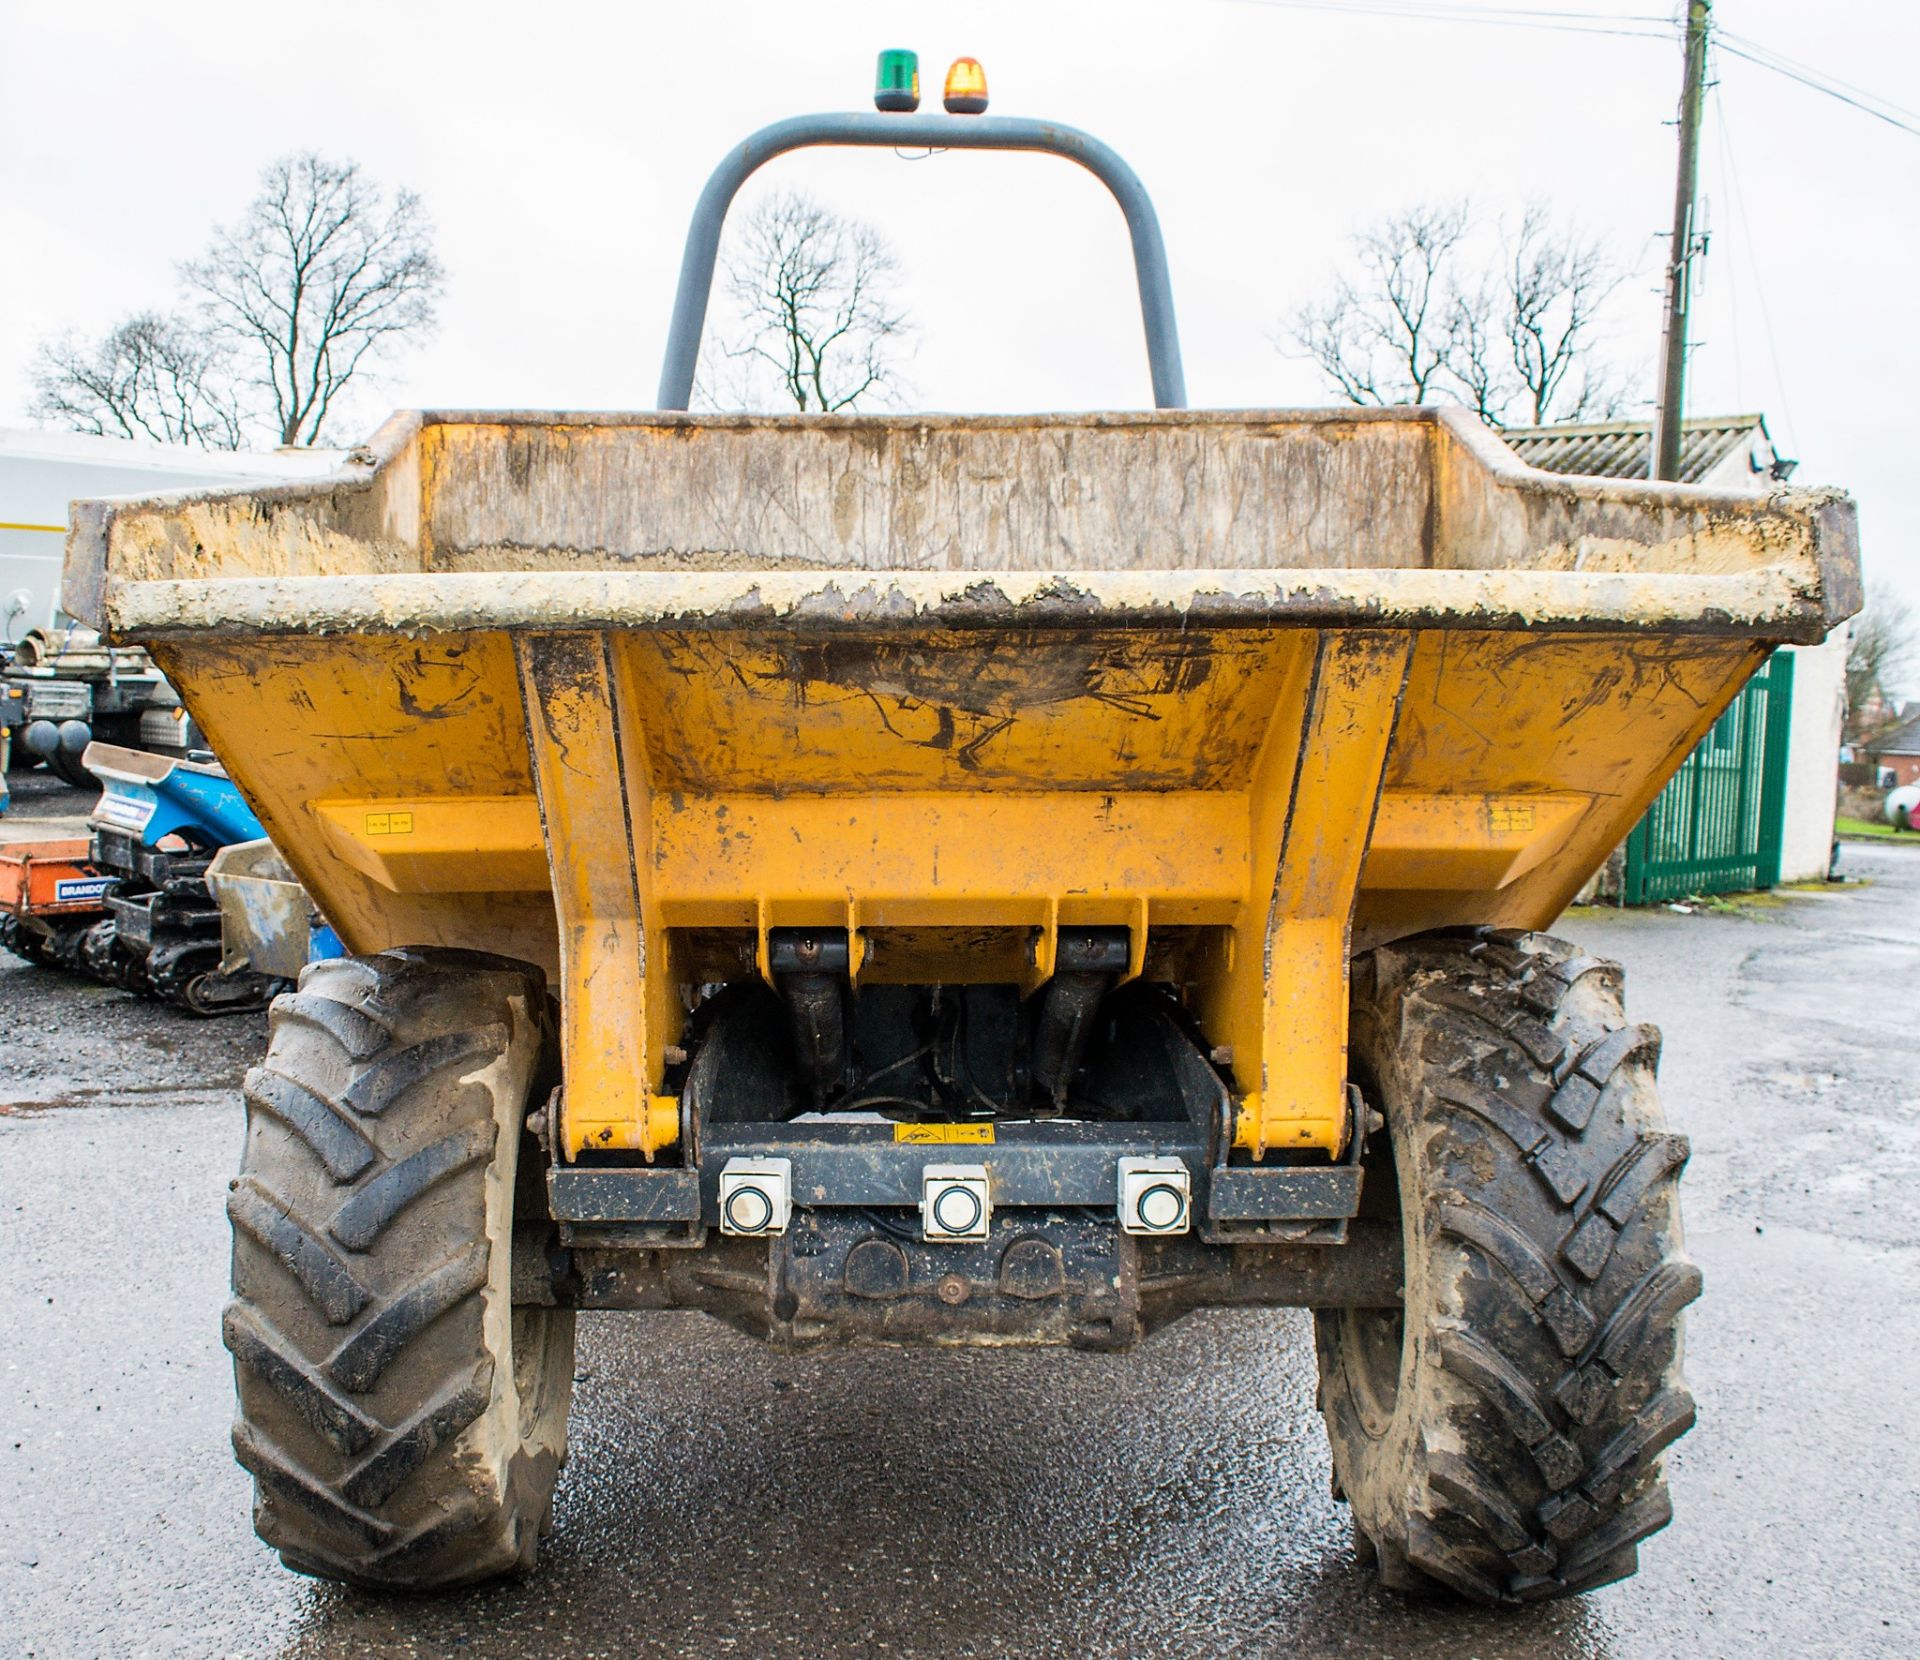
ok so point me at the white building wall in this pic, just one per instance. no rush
(1813, 756)
(1747, 466)
(42, 472)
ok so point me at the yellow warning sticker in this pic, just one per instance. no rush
(1510, 818)
(389, 824)
(944, 1135)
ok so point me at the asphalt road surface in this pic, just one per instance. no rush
(722, 1500)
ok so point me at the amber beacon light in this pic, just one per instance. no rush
(966, 92)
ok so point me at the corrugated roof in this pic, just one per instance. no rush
(1904, 739)
(1624, 449)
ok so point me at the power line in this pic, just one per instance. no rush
(1808, 69)
(1881, 109)
(1733, 277)
(1753, 264)
(1643, 26)
(1624, 25)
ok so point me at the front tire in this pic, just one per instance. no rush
(1501, 1435)
(404, 1422)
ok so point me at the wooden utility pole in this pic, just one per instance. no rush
(1673, 345)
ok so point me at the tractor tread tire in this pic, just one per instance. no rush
(403, 1423)
(1509, 1447)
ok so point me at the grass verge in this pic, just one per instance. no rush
(1861, 828)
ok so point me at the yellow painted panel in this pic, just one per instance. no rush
(472, 844)
(956, 795)
(1605, 717)
(929, 859)
(1297, 1082)
(1458, 842)
(1007, 854)
(954, 710)
(1513, 711)
(384, 719)
(612, 949)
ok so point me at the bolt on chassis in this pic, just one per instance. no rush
(953, 880)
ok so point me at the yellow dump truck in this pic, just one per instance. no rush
(953, 880)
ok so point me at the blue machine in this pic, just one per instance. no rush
(158, 827)
(155, 796)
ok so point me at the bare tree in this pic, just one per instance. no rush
(148, 377)
(1556, 283)
(1884, 648)
(814, 312)
(319, 278)
(1384, 337)
(1433, 314)
(1472, 352)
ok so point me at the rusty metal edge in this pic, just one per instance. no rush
(1764, 604)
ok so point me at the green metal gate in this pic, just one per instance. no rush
(1716, 827)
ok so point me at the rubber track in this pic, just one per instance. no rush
(163, 971)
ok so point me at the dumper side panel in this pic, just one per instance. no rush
(1526, 725)
(1381, 493)
(985, 709)
(303, 723)
(930, 494)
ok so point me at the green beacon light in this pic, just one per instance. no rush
(896, 87)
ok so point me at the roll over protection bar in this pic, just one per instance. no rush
(936, 132)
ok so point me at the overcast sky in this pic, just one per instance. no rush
(560, 148)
